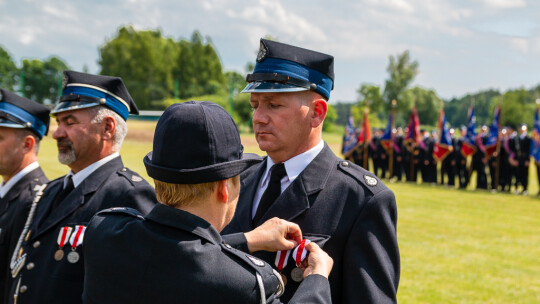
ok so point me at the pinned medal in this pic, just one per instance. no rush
(299, 254)
(63, 236)
(75, 241)
(281, 261)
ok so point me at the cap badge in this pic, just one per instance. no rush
(371, 181)
(136, 178)
(263, 51)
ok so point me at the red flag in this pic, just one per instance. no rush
(412, 137)
(365, 131)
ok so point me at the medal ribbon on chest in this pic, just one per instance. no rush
(76, 240)
(63, 236)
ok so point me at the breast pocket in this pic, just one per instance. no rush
(319, 239)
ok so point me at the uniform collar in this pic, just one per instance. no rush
(80, 176)
(184, 220)
(5, 187)
(294, 166)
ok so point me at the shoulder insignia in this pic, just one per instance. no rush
(136, 178)
(123, 210)
(255, 261)
(371, 181)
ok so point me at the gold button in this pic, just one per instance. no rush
(23, 289)
(36, 244)
(30, 266)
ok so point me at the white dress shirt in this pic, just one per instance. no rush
(5, 187)
(293, 166)
(80, 176)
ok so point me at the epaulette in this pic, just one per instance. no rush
(364, 177)
(131, 176)
(122, 210)
(268, 280)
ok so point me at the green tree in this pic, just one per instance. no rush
(517, 108)
(372, 94)
(428, 105)
(144, 60)
(42, 79)
(8, 70)
(402, 73)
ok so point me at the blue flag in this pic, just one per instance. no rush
(535, 144)
(469, 145)
(350, 139)
(444, 146)
(386, 139)
(493, 137)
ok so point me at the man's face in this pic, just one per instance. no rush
(11, 155)
(282, 123)
(78, 139)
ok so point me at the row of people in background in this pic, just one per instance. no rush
(505, 170)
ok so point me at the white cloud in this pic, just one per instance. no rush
(519, 44)
(505, 4)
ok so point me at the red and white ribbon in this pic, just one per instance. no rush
(77, 236)
(281, 259)
(300, 252)
(63, 236)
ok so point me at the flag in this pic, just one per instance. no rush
(365, 131)
(413, 134)
(350, 139)
(469, 147)
(535, 143)
(493, 137)
(444, 145)
(386, 139)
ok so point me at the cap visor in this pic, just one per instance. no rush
(68, 106)
(268, 87)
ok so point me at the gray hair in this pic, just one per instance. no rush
(121, 129)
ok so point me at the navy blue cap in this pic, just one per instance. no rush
(196, 142)
(81, 90)
(285, 68)
(22, 113)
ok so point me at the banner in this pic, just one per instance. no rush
(493, 137)
(469, 147)
(386, 139)
(444, 146)
(350, 139)
(413, 134)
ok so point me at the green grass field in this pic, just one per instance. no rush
(457, 246)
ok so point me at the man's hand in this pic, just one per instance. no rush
(317, 262)
(274, 235)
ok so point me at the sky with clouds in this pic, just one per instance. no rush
(462, 46)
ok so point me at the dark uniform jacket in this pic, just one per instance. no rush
(173, 256)
(45, 280)
(14, 208)
(349, 212)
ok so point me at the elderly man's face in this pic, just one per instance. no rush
(11, 145)
(282, 123)
(78, 139)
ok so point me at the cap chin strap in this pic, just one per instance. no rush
(281, 78)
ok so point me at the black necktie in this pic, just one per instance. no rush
(272, 191)
(64, 192)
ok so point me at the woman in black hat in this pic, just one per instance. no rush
(175, 254)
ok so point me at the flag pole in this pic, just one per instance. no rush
(391, 158)
(365, 147)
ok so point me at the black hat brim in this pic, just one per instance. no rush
(200, 175)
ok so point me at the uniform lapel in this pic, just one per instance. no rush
(24, 184)
(295, 200)
(79, 196)
(245, 202)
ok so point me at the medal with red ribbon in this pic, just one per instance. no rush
(76, 240)
(63, 236)
(300, 252)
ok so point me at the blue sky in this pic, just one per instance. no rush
(462, 46)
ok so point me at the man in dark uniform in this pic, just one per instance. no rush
(461, 160)
(339, 205)
(91, 118)
(175, 254)
(23, 123)
(523, 158)
(448, 164)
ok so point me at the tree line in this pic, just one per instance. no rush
(160, 70)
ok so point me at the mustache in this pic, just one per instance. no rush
(64, 143)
